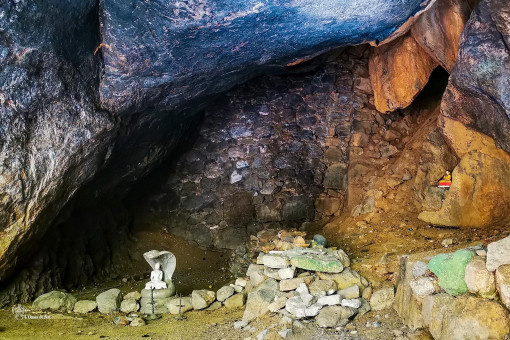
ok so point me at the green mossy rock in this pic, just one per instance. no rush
(450, 270)
(320, 263)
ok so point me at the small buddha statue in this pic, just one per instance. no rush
(156, 278)
(447, 177)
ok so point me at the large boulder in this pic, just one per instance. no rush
(148, 65)
(398, 72)
(479, 195)
(464, 317)
(54, 138)
(478, 93)
(438, 30)
(55, 301)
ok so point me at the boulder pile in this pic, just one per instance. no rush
(457, 295)
(309, 283)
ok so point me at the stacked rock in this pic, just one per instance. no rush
(230, 296)
(154, 301)
(455, 293)
(306, 283)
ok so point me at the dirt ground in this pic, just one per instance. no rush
(372, 242)
(198, 269)
(374, 246)
(197, 325)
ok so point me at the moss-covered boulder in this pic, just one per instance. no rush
(450, 270)
(55, 301)
(317, 262)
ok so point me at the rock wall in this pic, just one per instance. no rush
(474, 122)
(401, 67)
(454, 304)
(281, 154)
(273, 153)
(54, 138)
(109, 87)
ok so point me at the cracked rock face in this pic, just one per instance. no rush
(53, 137)
(94, 95)
(478, 95)
(165, 55)
(110, 87)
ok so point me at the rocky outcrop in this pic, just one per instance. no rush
(54, 137)
(400, 68)
(474, 121)
(63, 64)
(478, 95)
(479, 195)
(445, 316)
(167, 55)
(438, 30)
(398, 72)
(263, 158)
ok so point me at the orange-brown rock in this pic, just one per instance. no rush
(271, 239)
(436, 158)
(438, 30)
(398, 72)
(479, 195)
(463, 139)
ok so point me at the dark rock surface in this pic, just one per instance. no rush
(479, 91)
(166, 55)
(53, 137)
(79, 127)
(268, 155)
(157, 57)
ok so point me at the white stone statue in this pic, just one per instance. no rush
(156, 281)
(166, 262)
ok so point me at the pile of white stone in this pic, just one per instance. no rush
(309, 283)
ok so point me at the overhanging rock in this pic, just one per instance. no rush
(163, 55)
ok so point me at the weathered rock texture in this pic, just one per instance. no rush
(148, 46)
(438, 30)
(478, 95)
(398, 72)
(272, 154)
(63, 63)
(446, 316)
(400, 69)
(479, 195)
(474, 121)
(54, 138)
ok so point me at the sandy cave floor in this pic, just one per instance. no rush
(373, 246)
(197, 325)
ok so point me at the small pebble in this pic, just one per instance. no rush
(285, 333)
(447, 242)
(240, 324)
(481, 252)
(262, 335)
